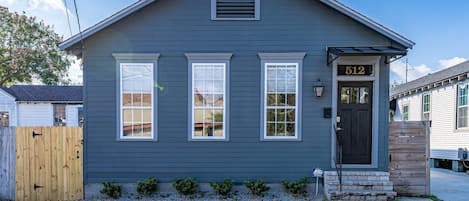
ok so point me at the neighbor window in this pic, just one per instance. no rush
(59, 115)
(405, 113)
(136, 100)
(208, 100)
(4, 119)
(462, 109)
(235, 9)
(281, 100)
(426, 107)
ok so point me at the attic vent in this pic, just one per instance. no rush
(236, 9)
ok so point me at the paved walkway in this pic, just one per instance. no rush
(448, 185)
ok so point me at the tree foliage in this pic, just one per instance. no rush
(29, 50)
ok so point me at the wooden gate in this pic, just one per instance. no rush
(409, 144)
(48, 163)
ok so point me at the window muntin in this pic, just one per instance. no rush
(136, 100)
(281, 100)
(405, 113)
(4, 119)
(426, 107)
(60, 118)
(462, 109)
(208, 100)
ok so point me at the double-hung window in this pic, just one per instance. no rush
(462, 120)
(136, 100)
(405, 113)
(426, 104)
(208, 92)
(281, 96)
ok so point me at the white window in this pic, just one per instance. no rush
(281, 101)
(426, 107)
(208, 101)
(405, 113)
(136, 100)
(462, 120)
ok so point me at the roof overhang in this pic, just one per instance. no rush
(334, 52)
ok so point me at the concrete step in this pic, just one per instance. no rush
(357, 176)
(361, 185)
(361, 195)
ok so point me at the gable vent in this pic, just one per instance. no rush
(236, 9)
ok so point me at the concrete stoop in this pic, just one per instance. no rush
(359, 186)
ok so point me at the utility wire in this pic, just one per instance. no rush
(68, 18)
(79, 26)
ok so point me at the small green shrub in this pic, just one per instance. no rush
(186, 186)
(257, 188)
(112, 190)
(147, 187)
(223, 188)
(296, 188)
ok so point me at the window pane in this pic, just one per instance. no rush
(281, 129)
(281, 100)
(208, 90)
(291, 86)
(271, 86)
(127, 99)
(270, 129)
(281, 86)
(291, 99)
(137, 116)
(59, 115)
(280, 115)
(146, 116)
(344, 95)
(271, 99)
(290, 129)
(364, 93)
(462, 117)
(271, 115)
(4, 119)
(290, 115)
(146, 101)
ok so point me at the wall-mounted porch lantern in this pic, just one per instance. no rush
(318, 88)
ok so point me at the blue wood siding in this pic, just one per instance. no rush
(175, 27)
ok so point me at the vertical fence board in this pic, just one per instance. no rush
(7, 163)
(409, 144)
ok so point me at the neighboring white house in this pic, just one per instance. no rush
(38, 105)
(441, 98)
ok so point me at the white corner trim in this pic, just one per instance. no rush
(370, 60)
(208, 56)
(136, 56)
(282, 56)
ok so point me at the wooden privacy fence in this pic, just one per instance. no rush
(409, 144)
(48, 163)
(7, 163)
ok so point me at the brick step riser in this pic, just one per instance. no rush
(361, 187)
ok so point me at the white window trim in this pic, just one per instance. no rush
(458, 106)
(121, 107)
(265, 137)
(257, 14)
(429, 106)
(224, 137)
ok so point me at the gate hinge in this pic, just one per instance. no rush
(36, 134)
(37, 186)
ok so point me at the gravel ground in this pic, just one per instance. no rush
(212, 197)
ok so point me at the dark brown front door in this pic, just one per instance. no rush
(354, 118)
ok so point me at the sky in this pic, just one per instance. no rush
(439, 28)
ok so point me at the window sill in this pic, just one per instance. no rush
(281, 139)
(208, 140)
(137, 140)
(462, 130)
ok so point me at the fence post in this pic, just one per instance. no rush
(7, 163)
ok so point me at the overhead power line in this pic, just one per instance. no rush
(68, 18)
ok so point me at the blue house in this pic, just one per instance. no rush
(235, 88)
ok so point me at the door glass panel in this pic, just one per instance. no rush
(354, 95)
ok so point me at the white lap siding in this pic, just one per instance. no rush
(35, 114)
(72, 115)
(445, 140)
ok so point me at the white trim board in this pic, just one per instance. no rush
(365, 60)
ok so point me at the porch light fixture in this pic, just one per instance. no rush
(318, 88)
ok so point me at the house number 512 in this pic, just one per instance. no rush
(355, 70)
